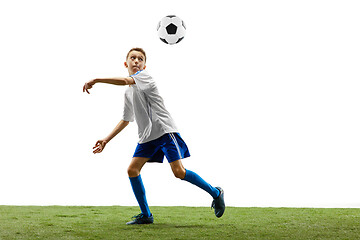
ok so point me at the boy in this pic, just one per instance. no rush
(157, 132)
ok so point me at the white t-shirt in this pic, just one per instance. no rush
(143, 101)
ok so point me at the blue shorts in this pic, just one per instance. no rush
(170, 144)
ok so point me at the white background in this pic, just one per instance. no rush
(265, 93)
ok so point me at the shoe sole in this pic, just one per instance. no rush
(221, 196)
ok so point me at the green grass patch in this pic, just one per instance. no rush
(83, 222)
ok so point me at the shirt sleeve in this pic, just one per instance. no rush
(128, 114)
(143, 80)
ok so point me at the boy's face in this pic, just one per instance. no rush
(135, 62)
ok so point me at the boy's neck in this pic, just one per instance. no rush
(135, 72)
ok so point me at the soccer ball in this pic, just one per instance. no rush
(171, 29)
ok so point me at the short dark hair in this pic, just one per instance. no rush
(136, 49)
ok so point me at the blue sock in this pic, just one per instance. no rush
(139, 191)
(195, 179)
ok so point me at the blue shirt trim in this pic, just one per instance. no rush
(136, 73)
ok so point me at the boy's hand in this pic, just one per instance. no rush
(88, 85)
(99, 146)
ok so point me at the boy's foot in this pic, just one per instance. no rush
(219, 204)
(141, 219)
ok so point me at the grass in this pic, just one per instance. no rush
(85, 222)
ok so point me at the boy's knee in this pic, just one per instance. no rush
(179, 173)
(132, 172)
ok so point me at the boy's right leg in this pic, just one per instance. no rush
(190, 176)
(138, 188)
(216, 192)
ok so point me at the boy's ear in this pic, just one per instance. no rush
(125, 63)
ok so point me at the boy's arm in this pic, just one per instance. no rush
(116, 81)
(119, 127)
(100, 145)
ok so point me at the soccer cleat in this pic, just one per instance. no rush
(141, 219)
(219, 204)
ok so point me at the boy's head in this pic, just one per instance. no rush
(135, 60)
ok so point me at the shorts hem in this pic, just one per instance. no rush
(170, 161)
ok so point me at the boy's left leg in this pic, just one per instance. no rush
(216, 192)
(139, 191)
